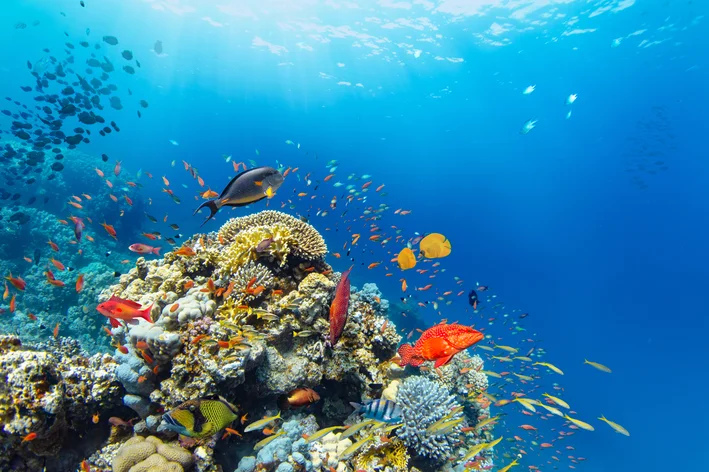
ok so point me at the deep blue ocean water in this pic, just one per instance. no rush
(609, 259)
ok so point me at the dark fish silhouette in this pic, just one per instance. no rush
(247, 187)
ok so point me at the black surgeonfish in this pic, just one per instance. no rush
(247, 187)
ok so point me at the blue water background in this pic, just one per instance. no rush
(551, 221)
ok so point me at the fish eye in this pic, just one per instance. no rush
(191, 407)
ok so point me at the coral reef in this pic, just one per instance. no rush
(291, 452)
(242, 314)
(52, 391)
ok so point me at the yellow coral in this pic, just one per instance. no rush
(307, 242)
(397, 455)
(392, 453)
(244, 247)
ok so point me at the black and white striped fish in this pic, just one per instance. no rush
(380, 410)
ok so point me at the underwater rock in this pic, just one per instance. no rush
(283, 373)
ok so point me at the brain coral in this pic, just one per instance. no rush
(150, 454)
(423, 402)
(307, 244)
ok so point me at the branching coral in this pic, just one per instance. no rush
(382, 454)
(308, 243)
(243, 280)
(423, 402)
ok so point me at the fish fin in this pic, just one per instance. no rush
(283, 403)
(145, 314)
(356, 406)
(406, 353)
(114, 323)
(128, 303)
(156, 251)
(213, 209)
(442, 361)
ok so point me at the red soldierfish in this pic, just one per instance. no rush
(144, 249)
(338, 308)
(126, 310)
(439, 343)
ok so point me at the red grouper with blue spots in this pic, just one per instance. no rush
(439, 343)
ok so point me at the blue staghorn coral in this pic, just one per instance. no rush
(423, 402)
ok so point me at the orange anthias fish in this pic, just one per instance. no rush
(338, 308)
(185, 251)
(439, 343)
(17, 282)
(109, 229)
(79, 283)
(126, 310)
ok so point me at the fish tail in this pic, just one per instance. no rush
(406, 352)
(356, 406)
(283, 403)
(156, 251)
(145, 314)
(213, 208)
